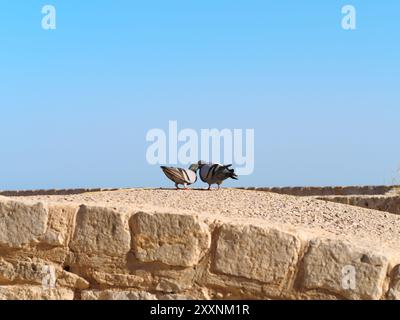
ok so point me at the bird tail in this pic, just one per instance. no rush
(165, 169)
(233, 175)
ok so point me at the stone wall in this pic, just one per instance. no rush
(382, 203)
(49, 192)
(330, 191)
(382, 198)
(100, 253)
(294, 191)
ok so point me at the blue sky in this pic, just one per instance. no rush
(76, 102)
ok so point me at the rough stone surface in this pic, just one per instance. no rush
(334, 219)
(33, 271)
(386, 203)
(164, 244)
(328, 191)
(71, 280)
(100, 231)
(21, 224)
(172, 239)
(118, 280)
(28, 292)
(263, 254)
(117, 295)
(59, 225)
(330, 265)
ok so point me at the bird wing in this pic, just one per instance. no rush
(174, 174)
(216, 172)
(179, 175)
(221, 173)
(226, 172)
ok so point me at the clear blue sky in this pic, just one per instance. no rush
(76, 103)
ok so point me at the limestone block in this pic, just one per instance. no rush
(100, 231)
(394, 288)
(116, 295)
(119, 280)
(341, 268)
(28, 292)
(172, 239)
(260, 253)
(71, 280)
(33, 271)
(59, 225)
(21, 224)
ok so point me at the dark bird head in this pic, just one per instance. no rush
(202, 163)
(194, 167)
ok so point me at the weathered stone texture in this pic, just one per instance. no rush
(116, 295)
(59, 225)
(21, 224)
(265, 254)
(172, 239)
(100, 231)
(28, 292)
(330, 265)
(100, 253)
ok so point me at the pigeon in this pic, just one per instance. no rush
(214, 173)
(181, 176)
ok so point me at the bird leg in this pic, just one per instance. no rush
(209, 187)
(177, 186)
